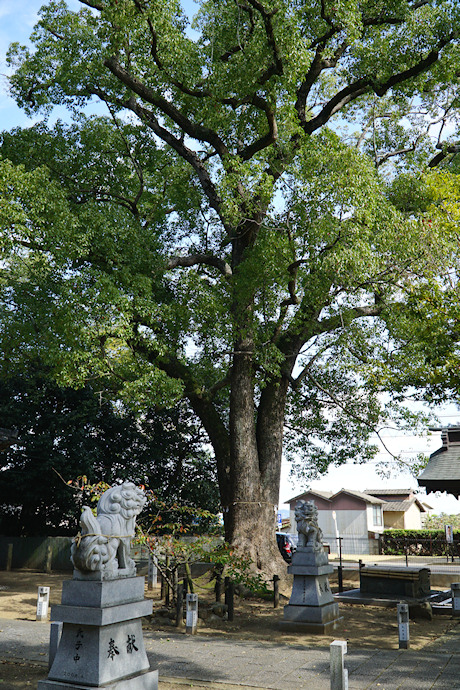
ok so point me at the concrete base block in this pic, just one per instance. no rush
(311, 614)
(91, 655)
(92, 593)
(308, 590)
(102, 643)
(143, 681)
(92, 615)
(318, 628)
(309, 557)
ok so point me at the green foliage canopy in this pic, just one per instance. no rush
(63, 432)
(241, 228)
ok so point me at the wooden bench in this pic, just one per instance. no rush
(406, 582)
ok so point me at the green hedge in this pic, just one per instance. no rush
(419, 533)
(417, 542)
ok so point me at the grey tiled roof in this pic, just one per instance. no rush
(389, 492)
(365, 497)
(443, 465)
(322, 494)
(328, 495)
(397, 506)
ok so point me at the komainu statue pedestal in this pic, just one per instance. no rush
(102, 643)
(311, 607)
(101, 610)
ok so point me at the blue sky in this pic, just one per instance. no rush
(17, 18)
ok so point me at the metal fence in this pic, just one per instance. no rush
(435, 554)
(416, 546)
(352, 545)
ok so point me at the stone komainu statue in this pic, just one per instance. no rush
(306, 515)
(104, 542)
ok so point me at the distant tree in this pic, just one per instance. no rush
(64, 433)
(441, 520)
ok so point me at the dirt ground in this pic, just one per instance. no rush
(254, 619)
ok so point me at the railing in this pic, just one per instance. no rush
(415, 546)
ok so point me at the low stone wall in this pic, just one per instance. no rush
(31, 552)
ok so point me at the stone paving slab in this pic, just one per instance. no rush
(224, 664)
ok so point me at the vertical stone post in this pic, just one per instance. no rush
(339, 674)
(43, 599)
(455, 588)
(168, 576)
(229, 594)
(179, 604)
(152, 573)
(48, 558)
(9, 557)
(191, 615)
(218, 587)
(276, 591)
(55, 638)
(403, 625)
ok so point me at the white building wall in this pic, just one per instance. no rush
(351, 526)
(412, 518)
(371, 526)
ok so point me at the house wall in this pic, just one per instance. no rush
(394, 520)
(320, 503)
(352, 527)
(412, 518)
(353, 523)
(372, 526)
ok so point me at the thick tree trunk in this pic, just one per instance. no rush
(256, 441)
(255, 437)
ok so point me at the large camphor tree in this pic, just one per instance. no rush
(245, 226)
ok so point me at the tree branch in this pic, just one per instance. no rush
(380, 160)
(196, 131)
(363, 85)
(446, 151)
(241, 45)
(177, 145)
(93, 4)
(347, 316)
(349, 412)
(277, 65)
(269, 138)
(195, 259)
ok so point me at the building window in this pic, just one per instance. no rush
(377, 515)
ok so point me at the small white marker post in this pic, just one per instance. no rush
(55, 638)
(191, 613)
(42, 603)
(455, 588)
(339, 674)
(403, 625)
